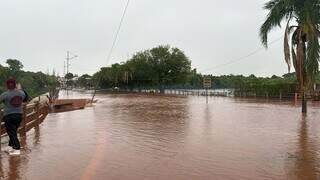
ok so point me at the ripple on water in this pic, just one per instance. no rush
(157, 137)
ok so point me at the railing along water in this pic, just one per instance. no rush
(33, 115)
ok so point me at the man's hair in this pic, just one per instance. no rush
(11, 83)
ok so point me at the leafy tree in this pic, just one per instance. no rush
(69, 76)
(158, 67)
(194, 79)
(84, 81)
(14, 65)
(304, 33)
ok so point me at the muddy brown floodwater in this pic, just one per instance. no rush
(138, 137)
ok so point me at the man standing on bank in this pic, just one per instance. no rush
(12, 99)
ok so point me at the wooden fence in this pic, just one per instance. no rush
(33, 115)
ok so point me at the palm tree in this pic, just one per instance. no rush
(302, 19)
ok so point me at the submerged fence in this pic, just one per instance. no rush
(184, 92)
(33, 115)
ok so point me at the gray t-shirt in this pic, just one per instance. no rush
(12, 100)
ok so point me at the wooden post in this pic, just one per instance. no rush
(1, 117)
(42, 113)
(23, 123)
(45, 113)
(37, 112)
(280, 95)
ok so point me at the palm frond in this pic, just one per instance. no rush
(269, 5)
(279, 10)
(304, 53)
(312, 58)
(287, 48)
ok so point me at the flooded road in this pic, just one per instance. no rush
(140, 137)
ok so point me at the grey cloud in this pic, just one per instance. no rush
(210, 32)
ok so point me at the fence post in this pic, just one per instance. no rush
(23, 123)
(45, 112)
(41, 112)
(1, 117)
(37, 113)
(295, 98)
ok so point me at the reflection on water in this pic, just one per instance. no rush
(11, 168)
(1, 169)
(14, 168)
(158, 137)
(305, 164)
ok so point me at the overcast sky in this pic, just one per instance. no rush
(210, 32)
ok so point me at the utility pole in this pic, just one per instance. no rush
(64, 68)
(68, 65)
(68, 60)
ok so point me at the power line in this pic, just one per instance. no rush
(241, 58)
(118, 31)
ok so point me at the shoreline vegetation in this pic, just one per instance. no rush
(162, 69)
(168, 68)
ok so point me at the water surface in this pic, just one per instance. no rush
(157, 137)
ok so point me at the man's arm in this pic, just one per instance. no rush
(24, 95)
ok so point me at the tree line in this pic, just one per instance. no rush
(164, 67)
(35, 83)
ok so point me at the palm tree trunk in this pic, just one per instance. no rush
(304, 103)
